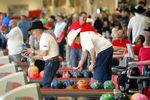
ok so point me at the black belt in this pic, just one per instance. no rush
(53, 59)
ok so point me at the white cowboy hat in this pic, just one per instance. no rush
(72, 35)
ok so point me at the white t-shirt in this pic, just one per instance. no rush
(48, 42)
(90, 40)
(137, 24)
(15, 40)
(59, 27)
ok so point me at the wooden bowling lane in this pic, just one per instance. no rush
(74, 92)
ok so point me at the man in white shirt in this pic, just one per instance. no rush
(100, 50)
(136, 24)
(48, 51)
(14, 42)
(59, 28)
(60, 25)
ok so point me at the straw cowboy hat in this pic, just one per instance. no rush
(72, 35)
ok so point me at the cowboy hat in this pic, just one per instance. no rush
(36, 25)
(72, 35)
(139, 9)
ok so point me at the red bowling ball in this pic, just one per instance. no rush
(42, 74)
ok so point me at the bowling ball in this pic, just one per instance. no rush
(76, 74)
(108, 85)
(147, 72)
(138, 96)
(23, 59)
(82, 84)
(28, 45)
(87, 74)
(107, 96)
(66, 74)
(122, 97)
(28, 60)
(96, 85)
(35, 68)
(56, 84)
(33, 74)
(68, 83)
(70, 87)
(42, 73)
(23, 47)
(58, 74)
(132, 97)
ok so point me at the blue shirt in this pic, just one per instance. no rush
(24, 28)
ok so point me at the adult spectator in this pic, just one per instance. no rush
(119, 44)
(76, 49)
(59, 28)
(43, 18)
(6, 19)
(136, 24)
(14, 42)
(24, 25)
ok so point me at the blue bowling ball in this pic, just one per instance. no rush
(55, 84)
(147, 72)
(68, 83)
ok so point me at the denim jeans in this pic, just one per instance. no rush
(75, 56)
(50, 69)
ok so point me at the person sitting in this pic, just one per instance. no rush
(143, 57)
(139, 40)
(120, 43)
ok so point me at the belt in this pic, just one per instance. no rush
(53, 58)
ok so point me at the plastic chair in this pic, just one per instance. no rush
(1, 53)
(12, 81)
(8, 68)
(4, 60)
(25, 92)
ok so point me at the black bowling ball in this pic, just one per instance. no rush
(122, 97)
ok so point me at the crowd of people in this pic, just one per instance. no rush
(78, 38)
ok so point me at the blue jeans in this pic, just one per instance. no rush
(75, 56)
(50, 68)
(102, 71)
